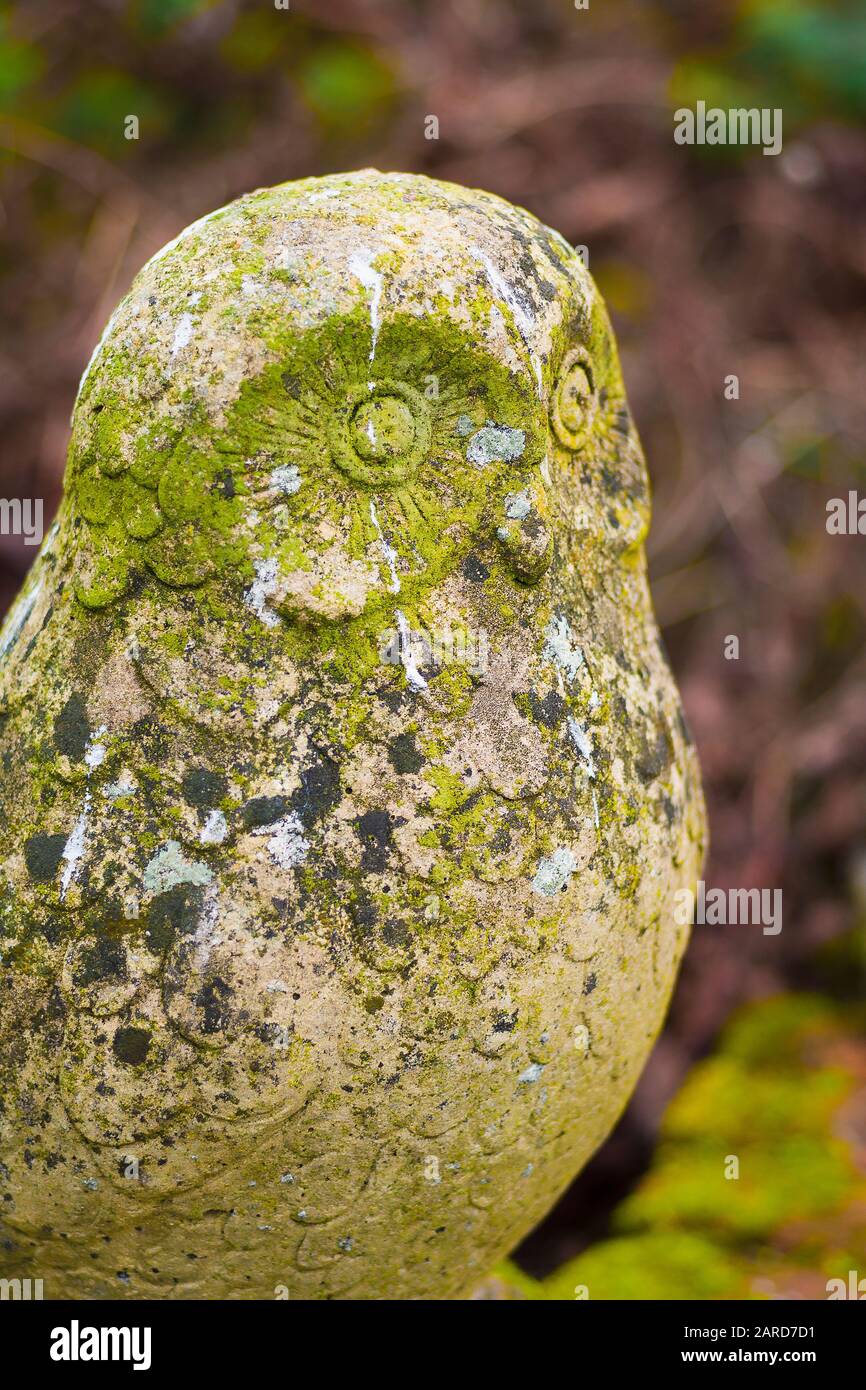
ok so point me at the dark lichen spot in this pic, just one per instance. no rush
(550, 711)
(213, 999)
(655, 757)
(131, 1045)
(204, 788)
(394, 700)
(375, 831)
(42, 855)
(264, 810)
(684, 726)
(72, 728)
(364, 914)
(612, 483)
(224, 483)
(172, 912)
(475, 570)
(395, 932)
(104, 959)
(590, 983)
(319, 791)
(404, 755)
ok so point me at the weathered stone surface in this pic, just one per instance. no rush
(328, 958)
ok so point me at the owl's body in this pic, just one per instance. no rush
(346, 790)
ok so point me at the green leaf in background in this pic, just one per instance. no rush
(158, 16)
(93, 108)
(346, 86)
(807, 59)
(256, 39)
(20, 63)
(820, 48)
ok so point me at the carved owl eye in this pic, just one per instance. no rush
(574, 404)
(380, 437)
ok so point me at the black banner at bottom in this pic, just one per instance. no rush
(63, 1339)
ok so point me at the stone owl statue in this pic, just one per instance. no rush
(345, 787)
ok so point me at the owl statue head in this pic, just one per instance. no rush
(323, 399)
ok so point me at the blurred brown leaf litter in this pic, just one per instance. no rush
(715, 261)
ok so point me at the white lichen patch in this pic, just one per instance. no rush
(583, 743)
(287, 844)
(95, 753)
(124, 786)
(413, 675)
(182, 334)
(521, 311)
(215, 829)
(388, 551)
(495, 444)
(260, 591)
(561, 648)
(17, 617)
(168, 867)
(73, 850)
(361, 266)
(554, 873)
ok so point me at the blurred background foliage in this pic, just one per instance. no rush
(714, 261)
(807, 56)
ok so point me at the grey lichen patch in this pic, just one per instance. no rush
(495, 443)
(169, 867)
(286, 479)
(343, 776)
(554, 873)
(518, 505)
(528, 1077)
